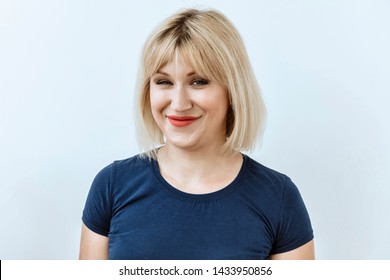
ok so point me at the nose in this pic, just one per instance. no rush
(180, 100)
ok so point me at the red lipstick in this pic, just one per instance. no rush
(181, 121)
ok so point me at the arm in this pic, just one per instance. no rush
(305, 252)
(93, 246)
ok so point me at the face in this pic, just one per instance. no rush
(189, 108)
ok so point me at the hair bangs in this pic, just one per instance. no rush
(192, 48)
(201, 59)
(156, 57)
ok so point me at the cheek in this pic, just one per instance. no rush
(157, 102)
(155, 106)
(218, 105)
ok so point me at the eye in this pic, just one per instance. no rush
(163, 82)
(200, 82)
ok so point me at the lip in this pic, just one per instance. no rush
(181, 121)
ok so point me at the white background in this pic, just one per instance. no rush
(67, 74)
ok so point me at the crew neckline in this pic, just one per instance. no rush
(207, 197)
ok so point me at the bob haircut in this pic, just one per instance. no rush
(211, 45)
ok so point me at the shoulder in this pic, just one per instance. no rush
(130, 175)
(122, 169)
(272, 184)
(265, 179)
(266, 171)
(134, 164)
(273, 189)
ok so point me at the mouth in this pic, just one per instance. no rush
(181, 121)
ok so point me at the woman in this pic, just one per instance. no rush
(196, 196)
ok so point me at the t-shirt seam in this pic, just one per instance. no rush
(111, 193)
(90, 225)
(297, 243)
(281, 207)
(294, 245)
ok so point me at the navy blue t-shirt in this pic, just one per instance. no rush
(259, 214)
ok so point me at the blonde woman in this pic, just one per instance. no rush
(193, 194)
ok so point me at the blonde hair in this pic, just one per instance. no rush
(209, 42)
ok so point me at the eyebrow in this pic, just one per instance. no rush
(166, 74)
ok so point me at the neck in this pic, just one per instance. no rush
(189, 169)
(196, 158)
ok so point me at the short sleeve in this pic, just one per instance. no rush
(294, 228)
(97, 210)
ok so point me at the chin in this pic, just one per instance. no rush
(183, 142)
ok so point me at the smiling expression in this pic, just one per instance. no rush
(189, 108)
